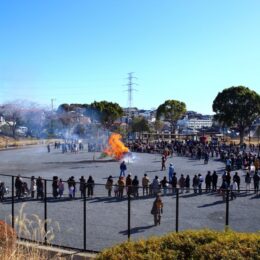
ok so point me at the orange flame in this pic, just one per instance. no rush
(116, 148)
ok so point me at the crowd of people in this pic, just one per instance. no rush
(235, 157)
(36, 188)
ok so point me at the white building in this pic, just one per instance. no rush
(2, 121)
(194, 123)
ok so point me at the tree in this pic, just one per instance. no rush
(140, 124)
(33, 117)
(12, 113)
(171, 110)
(237, 106)
(107, 112)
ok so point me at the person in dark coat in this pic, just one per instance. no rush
(82, 187)
(236, 178)
(256, 179)
(55, 187)
(174, 182)
(18, 186)
(214, 181)
(39, 188)
(90, 186)
(208, 181)
(123, 169)
(187, 183)
(135, 184)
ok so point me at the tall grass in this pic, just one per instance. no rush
(30, 227)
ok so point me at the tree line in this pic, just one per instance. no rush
(234, 107)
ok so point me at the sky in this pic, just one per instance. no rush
(80, 51)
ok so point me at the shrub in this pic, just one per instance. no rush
(7, 237)
(203, 244)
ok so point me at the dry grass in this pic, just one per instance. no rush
(11, 142)
(30, 227)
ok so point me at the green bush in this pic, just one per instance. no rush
(203, 244)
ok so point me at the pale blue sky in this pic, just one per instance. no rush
(79, 51)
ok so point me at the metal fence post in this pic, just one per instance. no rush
(227, 207)
(13, 202)
(177, 210)
(129, 217)
(45, 211)
(84, 220)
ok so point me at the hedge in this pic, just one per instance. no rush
(203, 244)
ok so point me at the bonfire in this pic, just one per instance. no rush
(116, 147)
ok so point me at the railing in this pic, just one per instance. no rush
(88, 213)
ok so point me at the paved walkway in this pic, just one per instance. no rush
(107, 217)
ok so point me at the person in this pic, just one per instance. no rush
(200, 183)
(33, 187)
(206, 158)
(156, 185)
(48, 148)
(123, 169)
(61, 187)
(214, 181)
(171, 171)
(248, 181)
(128, 184)
(182, 183)
(195, 183)
(39, 188)
(174, 182)
(252, 170)
(228, 164)
(72, 187)
(163, 163)
(55, 187)
(208, 181)
(223, 189)
(145, 184)
(18, 186)
(82, 187)
(90, 186)
(256, 182)
(233, 190)
(164, 185)
(2, 191)
(135, 184)
(121, 185)
(236, 178)
(157, 210)
(109, 185)
(228, 178)
(187, 183)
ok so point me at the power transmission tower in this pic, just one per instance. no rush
(130, 91)
(52, 103)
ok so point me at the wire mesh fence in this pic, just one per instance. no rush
(94, 218)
